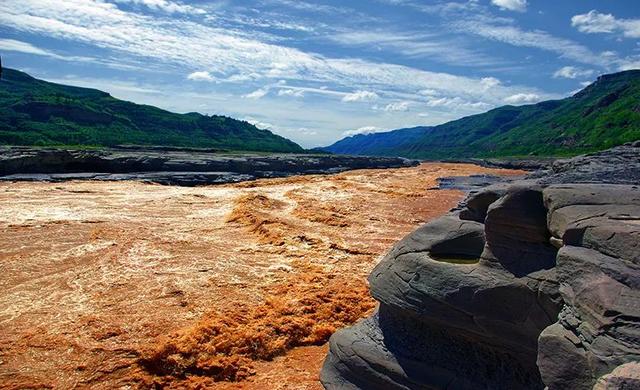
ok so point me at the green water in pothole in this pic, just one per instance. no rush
(455, 259)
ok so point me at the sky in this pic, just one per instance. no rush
(317, 71)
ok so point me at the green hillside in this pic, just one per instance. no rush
(36, 112)
(604, 114)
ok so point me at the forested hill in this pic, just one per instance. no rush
(604, 114)
(36, 112)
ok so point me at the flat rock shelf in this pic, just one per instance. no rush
(174, 166)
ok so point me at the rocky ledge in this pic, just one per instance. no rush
(173, 166)
(528, 284)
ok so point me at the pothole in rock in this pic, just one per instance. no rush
(454, 258)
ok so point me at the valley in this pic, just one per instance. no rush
(309, 195)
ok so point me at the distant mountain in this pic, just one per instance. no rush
(376, 143)
(36, 112)
(604, 114)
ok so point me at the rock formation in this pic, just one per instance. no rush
(173, 166)
(530, 284)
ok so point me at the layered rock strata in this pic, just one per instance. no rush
(173, 167)
(528, 285)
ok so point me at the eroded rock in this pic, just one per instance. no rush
(516, 230)
(601, 319)
(624, 377)
(170, 166)
(530, 285)
(477, 204)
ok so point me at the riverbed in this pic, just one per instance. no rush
(127, 284)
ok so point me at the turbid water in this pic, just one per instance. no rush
(112, 284)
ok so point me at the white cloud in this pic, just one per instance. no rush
(428, 92)
(471, 17)
(456, 103)
(242, 77)
(513, 35)
(596, 22)
(511, 5)
(397, 106)
(571, 72)
(312, 6)
(305, 131)
(291, 92)
(442, 102)
(166, 6)
(263, 22)
(285, 90)
(489, 82)
(238, 54)
(522, 98)
(27, 48)
(24, 47)
(259, 124)
(417, 44)
(360, 96)
(257, 94)
(440, 7)
(361, 130)
(631, 64)
(200, 76)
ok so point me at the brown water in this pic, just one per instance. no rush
(124, 284)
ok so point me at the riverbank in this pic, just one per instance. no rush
(183, 167)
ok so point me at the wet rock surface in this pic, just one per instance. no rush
(526, 285)
(472, 183)
(173, 166)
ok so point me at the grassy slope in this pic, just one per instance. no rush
(36, 112)
(604, 114)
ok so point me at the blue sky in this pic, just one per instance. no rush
(315, 71)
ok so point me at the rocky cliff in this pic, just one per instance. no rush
(529, 284)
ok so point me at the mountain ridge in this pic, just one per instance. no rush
(35, 112)
(604, 114)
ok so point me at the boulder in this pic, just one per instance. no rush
(599, 326)
(476, 206)
(624, 377)
(529, 285)
(602, 217)
(395, 350)
(446, 318)
(516, 231)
